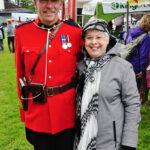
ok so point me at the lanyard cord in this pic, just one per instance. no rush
(47, 42)
(31, 98)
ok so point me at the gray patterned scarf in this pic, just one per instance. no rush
(87, 104)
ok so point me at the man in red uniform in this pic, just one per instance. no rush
(49, 125)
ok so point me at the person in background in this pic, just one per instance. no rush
(50, 117)
(139, 59)
(117, 31)
(148, 81)
(2, 37)
(108, 106)
(10, 35)
(121, 35)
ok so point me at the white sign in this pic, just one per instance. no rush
(89, 8)
(21, 17)
(120, 6)
(2, 5)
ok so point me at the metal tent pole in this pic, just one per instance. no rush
(127, 19)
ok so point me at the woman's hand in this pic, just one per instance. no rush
(139, 75)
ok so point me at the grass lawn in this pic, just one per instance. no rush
(144, 129)
(12, 135)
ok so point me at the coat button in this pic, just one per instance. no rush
(50, 61)
(50, 77)
(50, 46)
(92, 79)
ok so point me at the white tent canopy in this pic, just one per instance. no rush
(1, 4)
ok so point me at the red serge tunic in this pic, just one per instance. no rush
(58, 113)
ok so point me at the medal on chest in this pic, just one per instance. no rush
(64, 42)
(68, 41)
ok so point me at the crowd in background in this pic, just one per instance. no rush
(10, 31)
(2, 37)
(140, 58)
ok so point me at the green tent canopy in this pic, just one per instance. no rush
(107, 17)
(100, 14)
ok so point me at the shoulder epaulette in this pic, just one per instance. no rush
(71, 22)
(25, 22)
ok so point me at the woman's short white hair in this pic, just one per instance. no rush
(106, 34)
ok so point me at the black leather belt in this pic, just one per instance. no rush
(51, 91)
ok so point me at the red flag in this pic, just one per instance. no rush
(73, 9)
(69, 8)
(63, 11)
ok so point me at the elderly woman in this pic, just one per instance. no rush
(108, 106)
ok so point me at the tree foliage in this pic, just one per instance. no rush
(28, 4)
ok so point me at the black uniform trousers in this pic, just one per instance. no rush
(46, 141)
